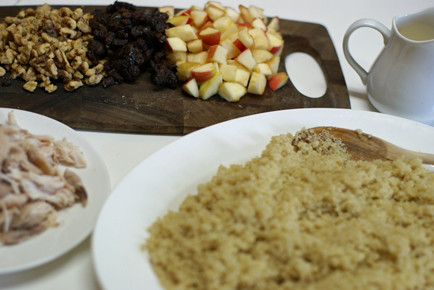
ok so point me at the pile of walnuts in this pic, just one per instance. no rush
(43, 45)
(47, 45)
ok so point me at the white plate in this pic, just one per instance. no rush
(77, 222)
(165, 178)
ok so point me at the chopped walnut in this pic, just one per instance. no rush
(94, 71)
(71, 23)
(73, 84)
(51, 88)
(83, 25)
(30, 86)
(93, 80)
(77, 13)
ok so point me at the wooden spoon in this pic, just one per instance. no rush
(362, 146)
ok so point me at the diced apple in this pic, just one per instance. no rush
(257, 32)
(231, 91)
(215, 4)
(217, 66)
(246, 38)
(217, 53)
(184, 70)
(177, 56)
(246, 25)
(239, 45)
(274, 64)
(176, 44)
(228, 72)
(279, 52)
(199, 18)
(256, 12)
(187, 12)
(272, 31)
(223, 23)
(204, 72)
(263, 68)
(190, 57)
(246, 59)
(261, 42)
(195, 46)
(208, 24)
(214, 13)
(274, 23)
(261, 55)
(259, 23)
(231, 33)
(233, 14)
(181, 13)
(245, 14)
(185, 32)
(274, 43)
(260, 39)
(257, 84)
(179, 20)
(210, 36)
(242, 77)
(191, 88)
(169, 10)
(278, 81)
(194, 7)
(201, 57)
(210, 87)
(233, 51)
(237, 64)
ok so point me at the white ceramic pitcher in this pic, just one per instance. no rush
(401, 81)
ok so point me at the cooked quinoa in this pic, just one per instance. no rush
(298, 219)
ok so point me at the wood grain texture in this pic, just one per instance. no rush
(142, 107)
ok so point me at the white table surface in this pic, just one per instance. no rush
(122, 152)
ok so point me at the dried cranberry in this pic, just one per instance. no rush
(7, 81)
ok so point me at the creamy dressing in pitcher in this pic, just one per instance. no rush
(417, 31)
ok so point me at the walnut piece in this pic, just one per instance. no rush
(73, 85)
(30, 86)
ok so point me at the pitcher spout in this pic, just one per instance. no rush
(416, 27)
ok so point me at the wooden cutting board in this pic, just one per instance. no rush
(142, 107)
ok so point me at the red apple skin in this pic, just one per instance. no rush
(278, 81)
(188, 12)
(202, 76)
(180, 20)
(212, 38)
(248, 25)
(205, 26)
(275, 49)
(239, 45)
(205, 21)
(211, 51)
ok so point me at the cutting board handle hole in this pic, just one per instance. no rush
(306, 74)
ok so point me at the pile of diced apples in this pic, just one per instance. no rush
(218, 50)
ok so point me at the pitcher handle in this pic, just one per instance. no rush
(385, 32)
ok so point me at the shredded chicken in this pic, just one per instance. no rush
(34, 184)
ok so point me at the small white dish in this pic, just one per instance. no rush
(76, 222)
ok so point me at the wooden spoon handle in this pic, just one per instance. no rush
(364, 146)
(394, 152)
